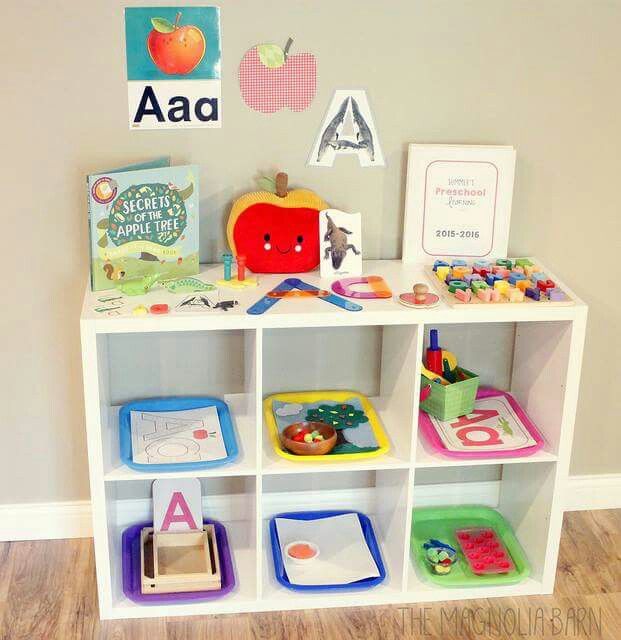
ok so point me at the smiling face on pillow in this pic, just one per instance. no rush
(277, 234)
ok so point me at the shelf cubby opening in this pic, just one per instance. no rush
(230, 500)
(528, 360)
(380, 494)
(522, 494)
(162, 364)
(377, 361)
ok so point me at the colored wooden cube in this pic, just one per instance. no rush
(504, 262)
(455, 285)
(533, 293)
(460, 272)
(495, 295)
(458, 262)
(522, 285)
(477, 285)
(485, 295)
(440, 263)
(544, 285)
(523, 262)
(514, 277)
(539, 275)
(442, 271)
(471, 277)
(463, 295)
(556, 294)
(502, 286)
(515, 295)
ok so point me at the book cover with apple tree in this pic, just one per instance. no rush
(143, 221)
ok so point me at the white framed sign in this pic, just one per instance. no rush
(458, 202)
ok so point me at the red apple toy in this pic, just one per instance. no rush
(270, 79)
(174, 49)
(277, 232)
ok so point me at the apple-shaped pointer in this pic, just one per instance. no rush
(175, 50)
(271, 79)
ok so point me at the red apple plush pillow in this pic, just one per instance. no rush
(277, 232)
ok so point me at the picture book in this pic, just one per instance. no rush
(169, 437)
(143, 221)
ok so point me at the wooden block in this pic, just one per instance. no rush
(502, 286)
(516, 295)
(522, 285)
(442, 272)
(460, 272)
(454, 285)
(514, 277)
(485, 295)
(477, 285)
(533, 293)
(544, 285)
(495, 295)
(523, 262)
(556, 294)
(501, 272)
(463, 295)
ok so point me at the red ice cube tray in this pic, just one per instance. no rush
(484, 551)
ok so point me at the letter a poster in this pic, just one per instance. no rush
(173, 67)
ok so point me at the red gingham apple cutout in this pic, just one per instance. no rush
(271, 79)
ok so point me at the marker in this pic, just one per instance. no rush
(434, 353)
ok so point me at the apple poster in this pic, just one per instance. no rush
(173, 67)
(348, 128)
(272, 78)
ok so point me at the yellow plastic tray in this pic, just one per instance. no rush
(316, 396)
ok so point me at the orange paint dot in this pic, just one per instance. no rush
(200, 434)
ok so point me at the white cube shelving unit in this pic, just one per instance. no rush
(302, 344)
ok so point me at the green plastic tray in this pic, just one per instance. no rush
(442, 522)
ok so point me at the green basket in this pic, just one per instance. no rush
(453, 400)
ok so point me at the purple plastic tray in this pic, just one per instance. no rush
(131, 569)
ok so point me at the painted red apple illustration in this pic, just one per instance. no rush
(175, 49)
(277, 232)
(270, 79)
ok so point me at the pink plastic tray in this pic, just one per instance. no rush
(435, 442)
(484, 551)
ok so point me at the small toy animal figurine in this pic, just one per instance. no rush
(363, 135)
(331, 132)
(112, 272)
(225, 305)
(337, 236)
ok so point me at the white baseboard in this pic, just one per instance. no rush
(589, 492)
(52, 520)
(45, 520)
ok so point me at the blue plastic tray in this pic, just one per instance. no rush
(176, 404)
(369, 536)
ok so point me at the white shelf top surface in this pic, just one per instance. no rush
(307, 312)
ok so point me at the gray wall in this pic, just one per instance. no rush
(540, 76)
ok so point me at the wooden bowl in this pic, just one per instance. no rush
(309, 448)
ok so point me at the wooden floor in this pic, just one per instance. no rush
(47, 591)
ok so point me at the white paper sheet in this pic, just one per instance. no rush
(344, 555)
(167, 437)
